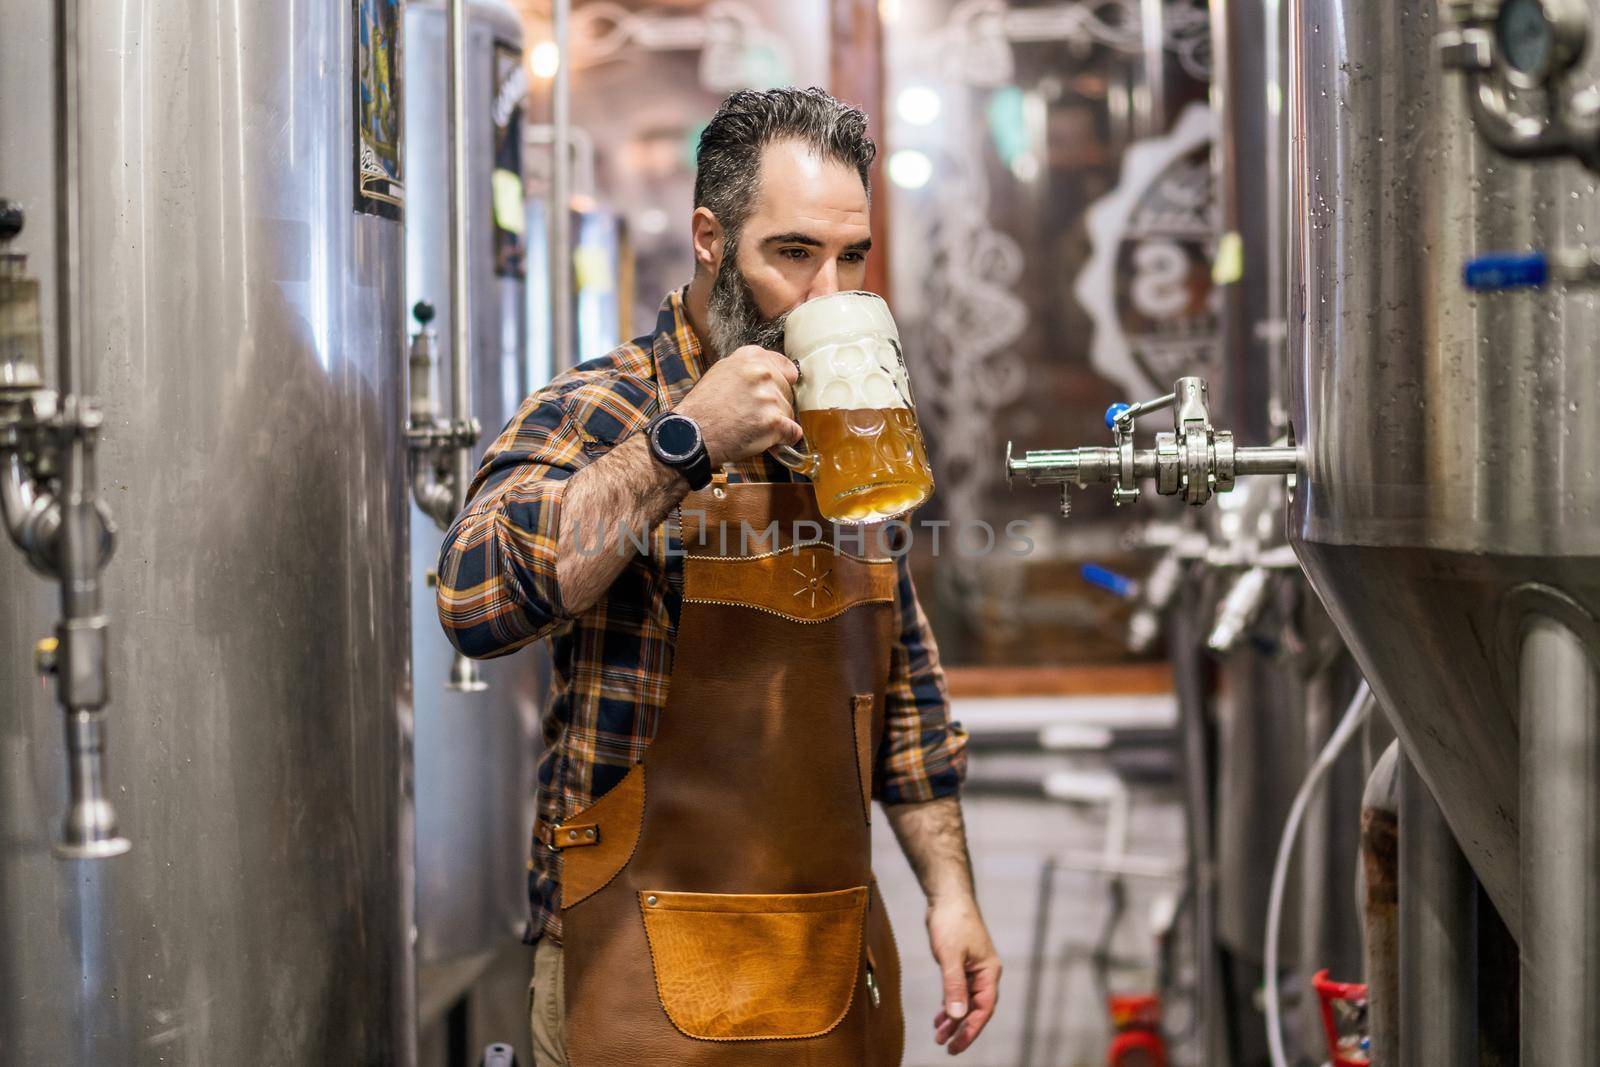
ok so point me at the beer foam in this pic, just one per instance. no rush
(848, 352)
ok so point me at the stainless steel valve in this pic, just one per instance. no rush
(1195, 460)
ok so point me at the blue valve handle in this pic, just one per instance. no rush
(1109, 580)
(1506, 270)
(1113, 413)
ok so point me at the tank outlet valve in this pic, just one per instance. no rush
(1195, 460)
(440, 448)
(50, 507)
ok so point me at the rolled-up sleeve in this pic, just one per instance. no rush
(924, 754)
(497, 568)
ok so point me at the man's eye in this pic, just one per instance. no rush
(854, 257)
(796, 254)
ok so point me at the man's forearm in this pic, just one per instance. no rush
(625, 490)
(934, 838)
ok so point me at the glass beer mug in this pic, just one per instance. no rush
(862, 449)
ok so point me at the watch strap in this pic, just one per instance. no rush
(698, 471)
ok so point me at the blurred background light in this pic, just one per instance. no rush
(652, 221)
(545, 59)
(918, 105)
(910, 169)
(1008, 123)
(1025, 166)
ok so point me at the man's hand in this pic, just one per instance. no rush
(744, 404)
(971, 971)
(934, 839)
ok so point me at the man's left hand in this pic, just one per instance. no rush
(971, 971)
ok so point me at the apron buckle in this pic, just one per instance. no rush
(559, 838)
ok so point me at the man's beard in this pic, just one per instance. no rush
(734, 318)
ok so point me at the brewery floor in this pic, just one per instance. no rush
(1012, 838)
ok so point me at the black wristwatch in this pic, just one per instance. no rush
(675, 441)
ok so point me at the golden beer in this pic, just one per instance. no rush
(871, 463)
(864, 453)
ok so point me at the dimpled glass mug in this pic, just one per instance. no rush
(862, 449)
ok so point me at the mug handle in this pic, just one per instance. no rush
(805, 463)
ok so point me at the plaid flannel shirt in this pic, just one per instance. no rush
(498, 592)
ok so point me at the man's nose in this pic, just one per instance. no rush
(826, 281)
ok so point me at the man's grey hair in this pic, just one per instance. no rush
(729, 159)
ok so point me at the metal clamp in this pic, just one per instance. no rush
(1195, 460)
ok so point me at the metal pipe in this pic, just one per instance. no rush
(1560, 852)
(1514, 135)
(431, 477)
(1380, 878)
(562, 352)
(460, 314)
(1190, 683)
(1036, 961)
(1238, 609)
(432, 494)
(1275, 325)
(1152, 26)
(441, 456)
(69, 341)
(1438, 934)
(1155, 595)
(1095, 463)
(1267, 459)
(89, 830)
(17, 495)
(32, 517)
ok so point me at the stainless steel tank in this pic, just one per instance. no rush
(1450, 512)
(1282, 675)
(474, 750)
(245, 326)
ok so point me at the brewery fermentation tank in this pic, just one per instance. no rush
(242, 322)
(1449, 512)
(474, 750)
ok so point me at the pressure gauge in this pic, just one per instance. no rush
(1540, 38)
(1526, 37)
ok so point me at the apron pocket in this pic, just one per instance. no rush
(746, 967)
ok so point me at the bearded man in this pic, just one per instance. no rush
(700, 882)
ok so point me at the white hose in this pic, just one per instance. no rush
(1356, 714)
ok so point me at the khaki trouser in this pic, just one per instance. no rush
(547, 1005)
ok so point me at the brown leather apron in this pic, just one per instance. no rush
(718, 904)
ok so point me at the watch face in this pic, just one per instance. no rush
(677, 437)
